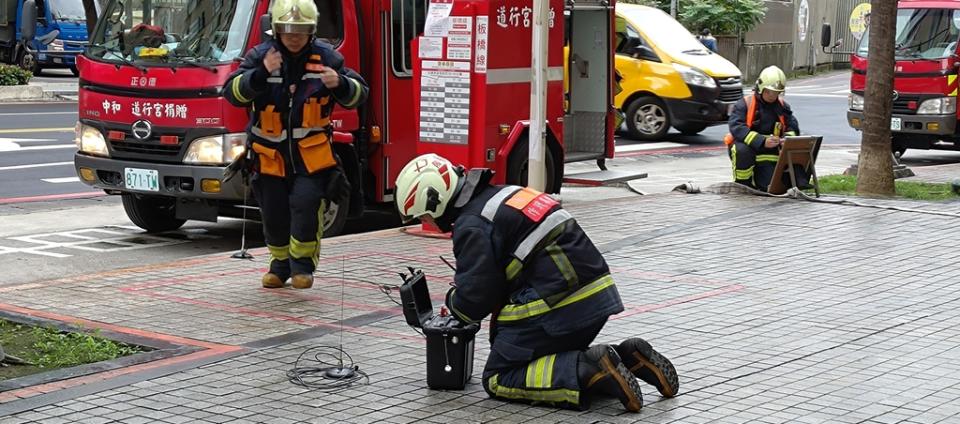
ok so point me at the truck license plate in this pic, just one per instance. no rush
(896, 124)
(141, 179)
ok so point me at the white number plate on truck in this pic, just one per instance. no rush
(896, 124)
(141, 179)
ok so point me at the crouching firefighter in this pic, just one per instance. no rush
(523, 259)
(292, 84)
(758, 124)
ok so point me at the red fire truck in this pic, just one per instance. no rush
(925, 79)
(155, 128)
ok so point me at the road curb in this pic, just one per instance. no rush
(16, 93)
(34, 93)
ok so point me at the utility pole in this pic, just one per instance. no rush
(536, 172)
(673, 8)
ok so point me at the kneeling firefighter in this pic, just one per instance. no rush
(758, 124)
(525, 260)
(292, 84)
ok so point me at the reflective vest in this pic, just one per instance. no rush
(292, 131)
(751, 102)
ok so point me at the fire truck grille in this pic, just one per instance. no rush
(145, 148)
(901, 105)
(731, 89)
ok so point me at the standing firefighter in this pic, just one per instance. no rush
(292, 85)
(524, 259)
(758, 124)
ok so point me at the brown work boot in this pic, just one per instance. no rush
(302, 281)
(599, 370)
(649, 365)
(272, 281)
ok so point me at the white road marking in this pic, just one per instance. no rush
(88, 240)
(61, 180)
(24, 140)
(37, 113)
(34, 165)
(834, 96)
(9, 146)
(648, 146)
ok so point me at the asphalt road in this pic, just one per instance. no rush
(36, 141)
(55, 75)
(47, 231)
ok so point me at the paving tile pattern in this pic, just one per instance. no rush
(772, 310)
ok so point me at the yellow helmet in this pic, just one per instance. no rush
(426, 186)
(773, 79)
(294, 16)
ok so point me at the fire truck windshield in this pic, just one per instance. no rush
(922, 34)
(166, 32)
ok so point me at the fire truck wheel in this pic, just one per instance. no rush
(897, 147)
(152, 213)
(517, 166)
(647, 119)
(334, 219)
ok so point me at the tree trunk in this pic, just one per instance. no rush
(90, 10)
(875, 173)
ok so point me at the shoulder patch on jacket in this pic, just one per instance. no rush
(534, 204)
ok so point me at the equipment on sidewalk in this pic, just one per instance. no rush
(327, 376)
(449, 341)
(796, 151)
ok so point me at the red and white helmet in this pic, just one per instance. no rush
(426, 186)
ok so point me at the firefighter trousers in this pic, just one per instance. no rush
(751, 168)
(526, 364)
(292, 210)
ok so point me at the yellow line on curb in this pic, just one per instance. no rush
(33, 130)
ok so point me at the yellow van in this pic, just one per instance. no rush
(669, 78)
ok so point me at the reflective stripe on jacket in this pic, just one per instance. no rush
(518, 251)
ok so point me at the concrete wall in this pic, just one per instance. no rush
(789, 37)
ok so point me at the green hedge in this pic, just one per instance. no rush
(13, 75)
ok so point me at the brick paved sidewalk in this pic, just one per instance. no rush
(772, 310)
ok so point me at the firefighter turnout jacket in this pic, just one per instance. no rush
(519, 251)
(292, 133)
(753, 120)
(523, 258)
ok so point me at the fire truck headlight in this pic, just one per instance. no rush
(938, 106)
(695, 77)
(855, 101)
(216, 150)
(90, 140)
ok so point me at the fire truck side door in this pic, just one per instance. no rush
(586, 124)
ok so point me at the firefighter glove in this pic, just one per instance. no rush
(243, 165)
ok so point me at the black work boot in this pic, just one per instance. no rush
(599, 370)
(649, 365)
